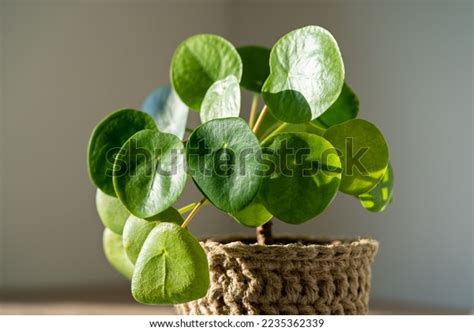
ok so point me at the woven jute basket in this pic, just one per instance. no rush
(295, 276)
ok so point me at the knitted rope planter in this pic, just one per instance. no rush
(307, 276)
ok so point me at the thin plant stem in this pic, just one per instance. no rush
(194, 212)
(187, 208)
(253, 110)
(262, 229)
(280, 128)
(260, 119)
(318, 127)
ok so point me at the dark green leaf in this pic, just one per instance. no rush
(345, 108)
(149, 172)
(171, 267)
(221, 100)
(200, 61)
(270, 124)
(111, 211)
(363, 152)
(304, 173)
(377, 199)
(168, 111)
(136, 230)
(307, 74)
(107, 139)
(115, 253)
(254, 215)
(223, 159)
(255, 60)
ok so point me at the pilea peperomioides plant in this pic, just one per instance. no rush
(288, 161)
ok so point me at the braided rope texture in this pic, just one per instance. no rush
(306, 277)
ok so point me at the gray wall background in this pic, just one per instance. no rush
(65, 64)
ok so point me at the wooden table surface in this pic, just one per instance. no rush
(118, 301)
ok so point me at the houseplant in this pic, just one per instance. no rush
(288, 162)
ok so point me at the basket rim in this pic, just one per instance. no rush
(336, 247)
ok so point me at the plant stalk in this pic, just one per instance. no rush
(253, 110)
(280, 128)
(187, 208)
(260, 119)
(318, 127)
(193, 212)
(264, 234)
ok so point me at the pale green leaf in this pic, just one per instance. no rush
(306, 75)
(171, 267)
(221, 100)
(168, 111)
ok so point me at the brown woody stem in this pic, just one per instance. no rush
(264, 234)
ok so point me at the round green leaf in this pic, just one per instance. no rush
(223, 157)
(377, 199)
(111, 211)
(221, 100)
(304, 172)
(306, 75)
(170, 215)
(136, 230)
(363, 152)
(149, 172)
(115, 253)
(345, 108)
(255, 60)
(171, 268)
(107, 139)
(270, 124)
(200, 61)
(168, 111)
(254, 215)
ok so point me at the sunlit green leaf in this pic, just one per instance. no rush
(222, 157)
(377, 199)
(149, 172)
(115, 253)
(254, 215)
(136, 230)
(168, 111)
(255, 60)
(111, 211)
(200, 61)
(303, 176)
(171, 267)
(221, 100)
(363, 152)
(107, 139)
(306, 75)
(345, 108)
